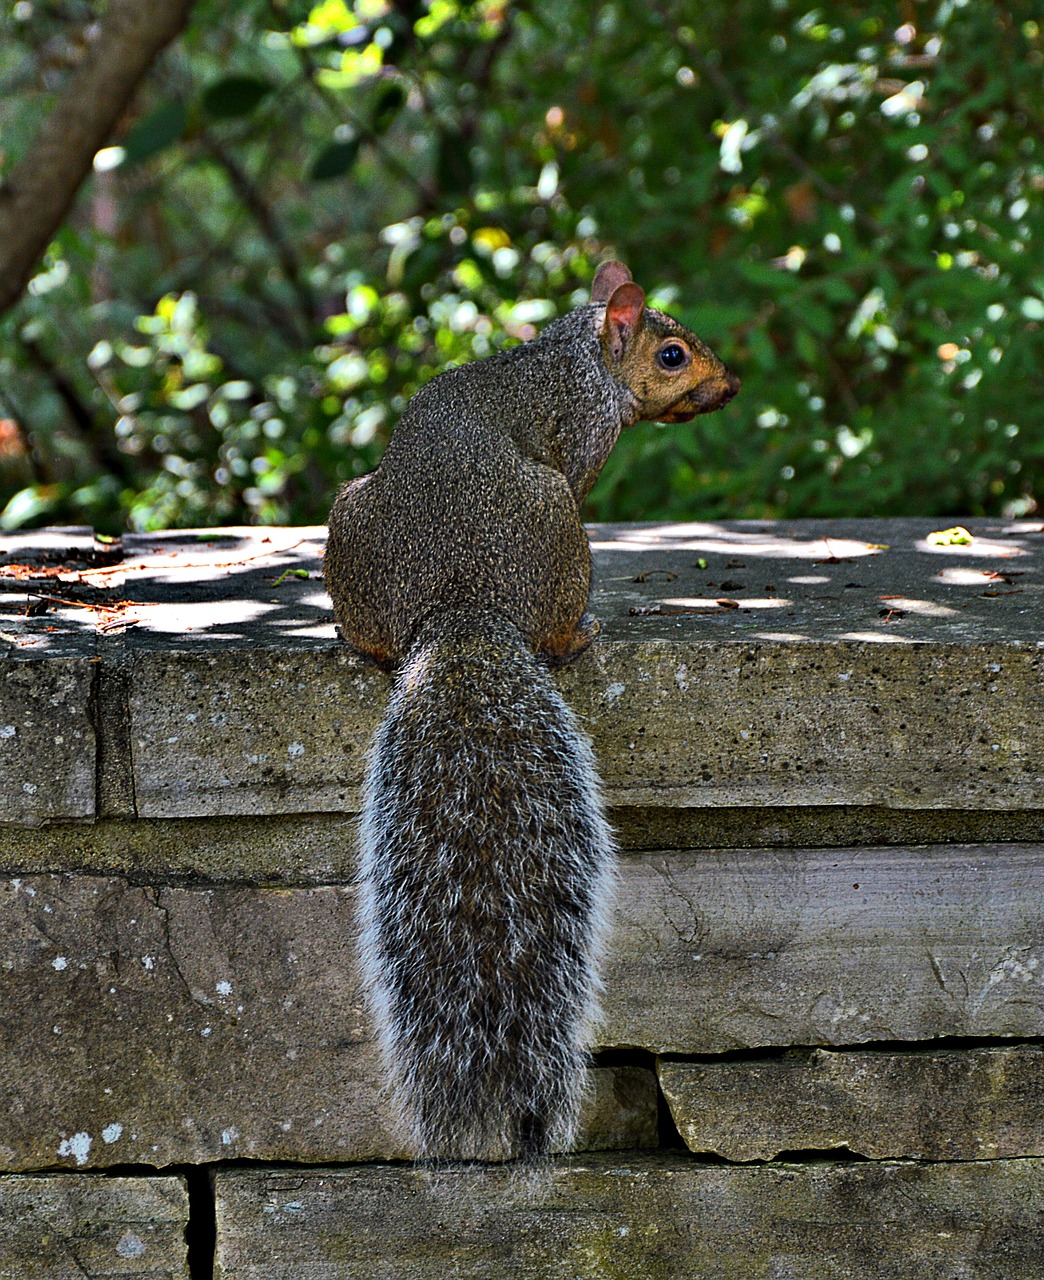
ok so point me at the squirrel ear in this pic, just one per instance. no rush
(623, 314)
(607, 277)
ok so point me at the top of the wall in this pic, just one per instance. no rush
(792, 581)
(748, 662)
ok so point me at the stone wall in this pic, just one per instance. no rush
(823, 1049)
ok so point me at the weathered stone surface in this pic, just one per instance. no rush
(47, 678)
(908, 677)
(159, 1025)
(773, 722)
(315, 848)
(320, 848)
(954, 1104)
(796, 826)
(819, 580)
(67, 1227)
(47, 747)
(197, 1024)
(238, 732)
(732, 949)
(650, 1218)
(682, 722)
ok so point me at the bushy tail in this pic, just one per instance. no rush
(486, 865)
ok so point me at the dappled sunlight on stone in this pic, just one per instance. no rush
(714, 603)
(319, 631)
(926, 608)
(877, 637)
(978, 546)
(708, 537)
(965, 577)
(784, 636)
(224, 618)
(833, 580)
(317, 600)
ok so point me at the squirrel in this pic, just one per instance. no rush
(461, 565)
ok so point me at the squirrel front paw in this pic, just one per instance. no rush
(586, 629)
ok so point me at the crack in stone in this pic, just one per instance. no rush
(164, 912)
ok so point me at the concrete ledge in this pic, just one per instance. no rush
(64, 1227)
(649, 1217)
(839, 672)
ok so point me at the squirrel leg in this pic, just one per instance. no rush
(357, 573)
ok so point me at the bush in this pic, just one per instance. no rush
(315, 209)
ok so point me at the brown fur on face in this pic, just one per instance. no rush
(671, 373)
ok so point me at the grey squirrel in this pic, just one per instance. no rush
(462, 566)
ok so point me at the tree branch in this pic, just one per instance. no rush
(41, 187)
(99, 442)
(255, 204)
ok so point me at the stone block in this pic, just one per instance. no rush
(736, 949)
(946, 1104)
(159, 1025)
(696, 722)
(643, 1218)
(240, 731)
(47, 740)
(69, 1227)
(681, 723)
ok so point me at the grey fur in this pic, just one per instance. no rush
(462, 565)
(487, 864)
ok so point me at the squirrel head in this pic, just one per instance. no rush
(671, 374)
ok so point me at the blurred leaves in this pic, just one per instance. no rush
(161, 127)
(235, 96)
(321, 206)
(335, 160)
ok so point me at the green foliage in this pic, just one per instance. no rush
(316, 208)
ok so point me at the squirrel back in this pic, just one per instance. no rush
(462, 565)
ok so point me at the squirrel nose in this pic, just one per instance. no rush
(731, 387)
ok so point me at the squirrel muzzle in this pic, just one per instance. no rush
(671, 373)
(714, 393)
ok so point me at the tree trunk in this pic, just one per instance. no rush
(41, 187)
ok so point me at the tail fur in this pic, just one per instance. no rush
(486, 867)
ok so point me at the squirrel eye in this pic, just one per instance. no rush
(672, 356)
